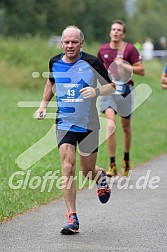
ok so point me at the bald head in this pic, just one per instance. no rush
(73, 31)
(72, 41)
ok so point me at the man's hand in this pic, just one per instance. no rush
(118, 61)
(120, 70)
(40, 113)
(164, 86)
(88, 92)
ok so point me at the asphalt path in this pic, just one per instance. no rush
(134, 219)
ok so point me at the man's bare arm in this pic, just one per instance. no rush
(164, 80)
(90, 92)
(138, 68)
(48, 93)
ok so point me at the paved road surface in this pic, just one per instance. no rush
(134, 220)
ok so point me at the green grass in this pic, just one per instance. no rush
(20, 58)
(19, 130)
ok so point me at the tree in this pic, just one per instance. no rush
(40, 17)
(149, 20)
(94, 17)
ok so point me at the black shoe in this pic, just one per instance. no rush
(103, 190)
(72, 226)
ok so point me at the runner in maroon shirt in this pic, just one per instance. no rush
(114, 55)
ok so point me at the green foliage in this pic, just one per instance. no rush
(45, 18)
(21, 57)
(149, 21)
(36, 17)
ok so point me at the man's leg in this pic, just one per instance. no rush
(68, 160)
(126, 128)
(88, 164)
(111, 140)
(93, 172)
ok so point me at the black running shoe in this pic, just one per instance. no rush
(72, 226)
(103, 190)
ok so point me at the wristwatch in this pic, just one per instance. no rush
(97, 90)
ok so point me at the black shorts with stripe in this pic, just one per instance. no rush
(87, 141)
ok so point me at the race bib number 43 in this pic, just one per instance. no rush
(69, 92)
